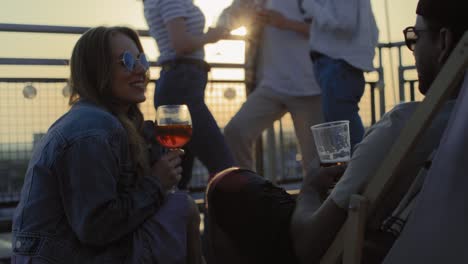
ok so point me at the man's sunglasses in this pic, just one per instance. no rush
(129, 61)
(411, 36)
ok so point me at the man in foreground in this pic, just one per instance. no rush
(261, 223)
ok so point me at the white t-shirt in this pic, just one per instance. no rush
(343, 29)
(284, 64)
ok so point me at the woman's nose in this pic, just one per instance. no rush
(139, 67)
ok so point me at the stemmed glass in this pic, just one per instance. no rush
(173, 126)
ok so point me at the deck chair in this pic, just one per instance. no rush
(437, 230)
(349, 242)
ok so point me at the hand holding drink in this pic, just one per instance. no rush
(168, 169)
(333, 145)
(322, 180)
(173, 131)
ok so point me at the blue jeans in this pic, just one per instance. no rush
(342, 88)
(185, 84)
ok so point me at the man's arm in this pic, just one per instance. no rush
(314, 225)
(183, 42)
(312, 233)
(239, 13)
(334, 15)
(276, 19)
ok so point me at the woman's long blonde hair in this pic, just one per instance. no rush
(91, 79)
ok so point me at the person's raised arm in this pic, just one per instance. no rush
(276, 19)
(184, 43)
(239, 13)
(334, 15)
(314, 225)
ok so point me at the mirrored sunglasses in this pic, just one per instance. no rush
(129, 61)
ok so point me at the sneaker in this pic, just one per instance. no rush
(254, 213)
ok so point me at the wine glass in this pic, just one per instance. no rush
(173, 126)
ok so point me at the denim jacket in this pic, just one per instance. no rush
(81, 197)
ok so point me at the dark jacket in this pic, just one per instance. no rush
(81, 197)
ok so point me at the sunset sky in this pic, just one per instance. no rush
(130, 12)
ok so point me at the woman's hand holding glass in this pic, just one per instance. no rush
(168, 169)
(173, 131)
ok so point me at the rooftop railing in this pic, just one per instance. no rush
(29, 105)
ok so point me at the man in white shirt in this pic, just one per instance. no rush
(343, 38)
(285, 83)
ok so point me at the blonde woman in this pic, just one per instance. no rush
(90, 193)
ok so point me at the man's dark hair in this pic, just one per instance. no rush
(435, 26)
(450, 14)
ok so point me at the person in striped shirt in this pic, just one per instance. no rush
(178, 28)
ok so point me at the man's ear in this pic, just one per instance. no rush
(446, 44)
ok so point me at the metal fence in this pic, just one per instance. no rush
(28, 106)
